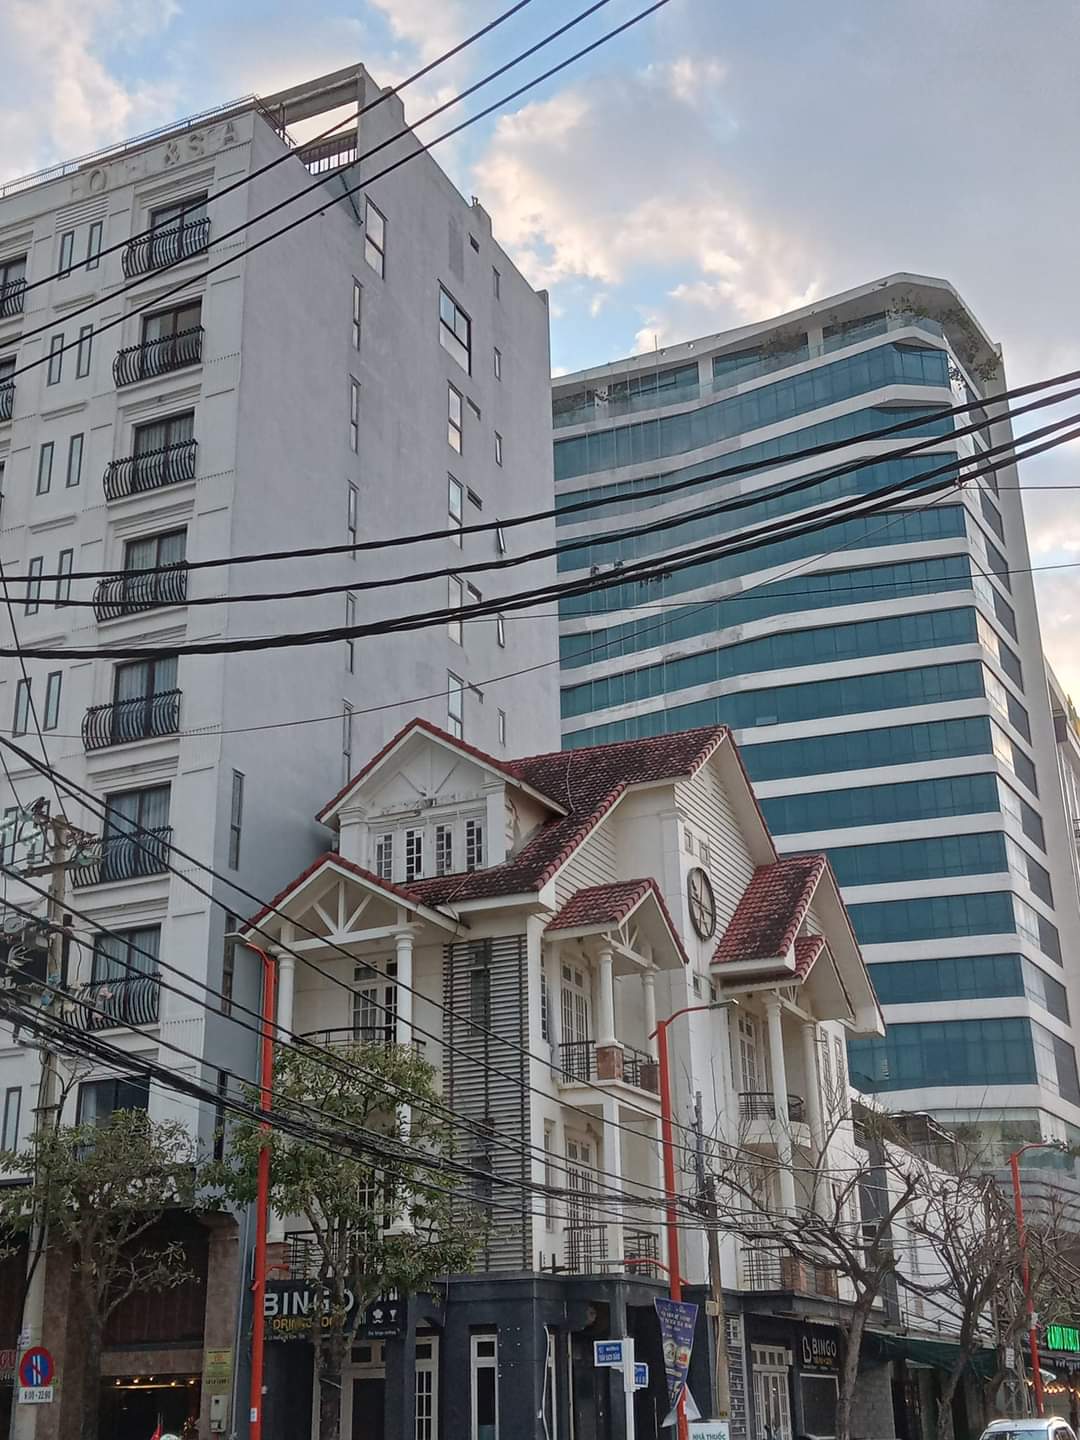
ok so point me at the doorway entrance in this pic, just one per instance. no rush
(363, 1394)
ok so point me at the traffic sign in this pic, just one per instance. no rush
(607, 1352)
(35, 1394)
(641, 1375)
(36, 1368)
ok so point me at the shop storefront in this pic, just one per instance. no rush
(794, 1372)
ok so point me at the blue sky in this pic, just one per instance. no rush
(721, 162)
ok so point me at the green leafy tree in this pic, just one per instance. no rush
(101, 1192)
(375, 1204)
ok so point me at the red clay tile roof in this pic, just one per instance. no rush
(392, 890)
(418, 723)
(610, 905)
(807, 950)
(586, 783)
(772, 908)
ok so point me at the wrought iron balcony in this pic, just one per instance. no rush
(578, 1063)
(7, 399)
(147, 717)
(158, 357)
(760, 1105)
(344, 1037)
(12, 298)
(774, 1268)
(166, 246)
(125, 857)
(133, 1000)
(150, 470)
(586, 1248)
(129, 594)
(641, 1249)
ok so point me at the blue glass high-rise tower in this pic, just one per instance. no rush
(884, 675)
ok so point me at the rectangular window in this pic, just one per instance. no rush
(346, 740)
(455, 705)
(228, 963)
(357, 312)
(74, 461)
(67, 250)
(444, 850)
(496, 283)
(454, 434)
(500, 540)
(33, 589)
(454, 507)
(21, 720)
(354, 415)
(352, 513)
(498, 448)
(500, 631)
(484, 1387)
(56, 360)
(100, 1099)
(384, 857)
(9, 1139)
(44, 467)
(83, 351)
(63, 576)
(179, 213)
(472, 595)
(374, 238)
(414, 854)
(454, 600)
(52, 700)
(93, 246)
(165, 324)
(502, 727)
(496, 356)
(474, 844)
(455, 330)
(236, 819)
(350, 643)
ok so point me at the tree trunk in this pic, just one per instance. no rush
(331, 1358)
(945, 1399)
(849, 1371)
(91, 1375)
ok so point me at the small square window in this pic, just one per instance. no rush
(498, 449)
(455, 330)
(56, 360)
(74, 461)
(496, 356)
(375, 238)
(454, 420)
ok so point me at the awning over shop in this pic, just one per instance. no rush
(939, 1354)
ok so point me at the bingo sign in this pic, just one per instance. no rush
(36, 1372)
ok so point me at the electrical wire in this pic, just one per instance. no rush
(329, 201)
(289, 154)
(808, 522)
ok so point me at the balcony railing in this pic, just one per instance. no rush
(125, 857)
(578, 1063)
(345, 1036)
(158, 357)
(150, 470)
(129, 594)
(760, 1105)
(332, 154)
(770, 1268)
(130, 1001)
(586, 1248)
(641, 1249)
(147, 717)
(12, 298)
(166, 246)
(7, 399)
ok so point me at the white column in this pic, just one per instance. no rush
(780, 1104)
(403, 950)
(814, 1111)
(605, 1001)
(286, 991)
(648, 988)
(613, 1180)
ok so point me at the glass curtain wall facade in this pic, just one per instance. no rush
(882, 671)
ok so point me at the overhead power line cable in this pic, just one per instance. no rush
(329, 201)
(871, 503)
(289, 154)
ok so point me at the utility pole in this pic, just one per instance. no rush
(707, 1193)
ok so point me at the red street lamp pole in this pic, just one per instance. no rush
(262, 1199)
(670, 1194)
(1025, 1270)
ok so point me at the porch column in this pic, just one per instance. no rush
(403, 950)
(780, 1102)
(648, 989)
(814, 1112)
(608, 1052)
(286, 990)
(613, 1181)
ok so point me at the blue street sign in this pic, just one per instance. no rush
(607, 1352)
(641, 1375)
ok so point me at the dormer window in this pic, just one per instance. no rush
(384, 857)
(444, 850)
(474, 844)
(414, 854)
